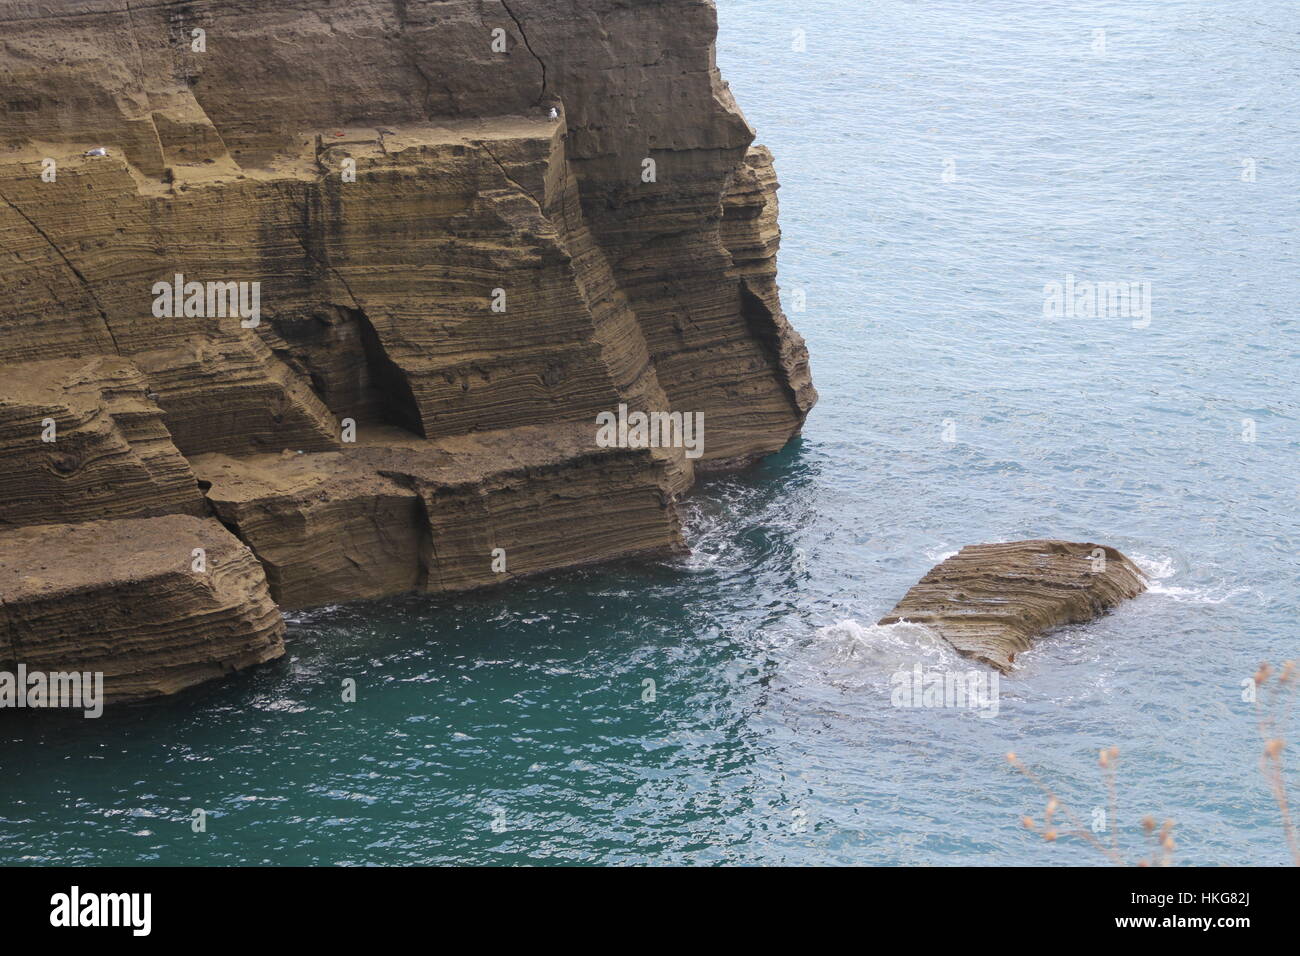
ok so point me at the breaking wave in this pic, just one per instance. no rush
(1161, 571)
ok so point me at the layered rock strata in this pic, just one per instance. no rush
(341, 285)
(154, 604)
(989, 601)
(400, 514)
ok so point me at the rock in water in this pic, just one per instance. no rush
(989, 601)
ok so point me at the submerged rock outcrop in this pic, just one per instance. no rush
(342, 289)
(989, 601)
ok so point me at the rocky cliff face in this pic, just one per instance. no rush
(334, 315)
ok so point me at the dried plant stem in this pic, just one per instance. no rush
(1054, 803)
(1273, 717)
(1112, 800)
(1272, 762)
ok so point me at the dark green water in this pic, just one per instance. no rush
(506, 727)
(510, 727)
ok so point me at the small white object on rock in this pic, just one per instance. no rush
(555, 114)
(97, 151)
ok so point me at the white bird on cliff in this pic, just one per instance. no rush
(97, 151)
(555, 114)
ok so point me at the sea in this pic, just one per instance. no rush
(949, 168)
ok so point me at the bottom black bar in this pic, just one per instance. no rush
(329, 906)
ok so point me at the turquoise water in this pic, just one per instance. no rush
(511, 727)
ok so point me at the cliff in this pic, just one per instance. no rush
(320, 302)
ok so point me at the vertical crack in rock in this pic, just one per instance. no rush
(762, 326)
(90, 289)
(326, 267)
(524, 36)
(510, 179)
(427, 547)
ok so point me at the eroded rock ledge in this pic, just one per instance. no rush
(127, 598)
(452, 285)
(990, 601)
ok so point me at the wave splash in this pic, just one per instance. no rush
(853, 654)
(1161, 570)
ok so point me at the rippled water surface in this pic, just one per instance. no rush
(512, 727)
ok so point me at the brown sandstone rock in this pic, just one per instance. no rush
(991, 600)
(617, 285)
(474, 411)
(122, 598)
(81, 439)
(399, 514)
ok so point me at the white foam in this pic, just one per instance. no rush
(1159, 569)
(1204, 595)
(848, 652)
